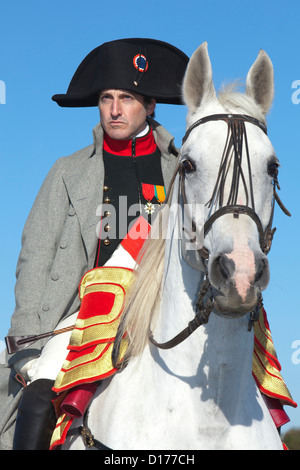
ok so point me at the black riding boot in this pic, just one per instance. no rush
(36, 417)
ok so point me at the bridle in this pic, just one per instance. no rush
(235, 141)
(236, 136)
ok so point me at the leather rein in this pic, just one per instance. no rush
(236, 137)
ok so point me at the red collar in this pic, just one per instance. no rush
(143, 145)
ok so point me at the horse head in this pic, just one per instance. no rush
(230, 170)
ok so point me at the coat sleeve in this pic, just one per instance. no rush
(40, 239)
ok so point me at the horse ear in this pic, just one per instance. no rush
(198, 84)
(260, 81)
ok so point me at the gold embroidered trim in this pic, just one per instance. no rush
(265, 365)
(79, 361)
(98, 327)
(91, 342)
(121, 276)
(89, 371)
(269, 378)
(263, 336)
(58, 437)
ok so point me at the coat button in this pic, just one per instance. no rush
(46, 307)
(71, 211)
(107, 214)
(54, 276)
(105, 188)
(106, 241)
(107, 228)
(107, 200)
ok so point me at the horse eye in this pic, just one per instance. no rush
(273, 169)
(188, 165)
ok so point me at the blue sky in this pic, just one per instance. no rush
(41, 45)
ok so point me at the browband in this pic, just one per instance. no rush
(226, 118)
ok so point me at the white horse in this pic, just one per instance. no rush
(200, 394)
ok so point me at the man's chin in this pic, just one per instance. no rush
(118, 132)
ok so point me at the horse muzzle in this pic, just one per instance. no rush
(238, 281)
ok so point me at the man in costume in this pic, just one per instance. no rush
(78, 222)
(80, 215)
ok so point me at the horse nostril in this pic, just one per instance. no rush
(242, 271)
(225, 266)
(258, 275)
(262, 274)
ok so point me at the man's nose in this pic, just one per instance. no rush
(115, 107)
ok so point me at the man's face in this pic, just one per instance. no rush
(123, 114)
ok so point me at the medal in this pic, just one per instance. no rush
(149, 208)
(151, 191)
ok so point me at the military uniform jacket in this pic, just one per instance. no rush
(59, 244)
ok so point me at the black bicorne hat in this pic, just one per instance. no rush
(145, 66)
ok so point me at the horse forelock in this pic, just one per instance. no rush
(234, 100)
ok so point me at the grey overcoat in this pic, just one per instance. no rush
(59, 244)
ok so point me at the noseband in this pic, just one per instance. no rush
(236, 138)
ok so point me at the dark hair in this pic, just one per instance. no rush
(147, 101)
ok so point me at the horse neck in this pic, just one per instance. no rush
(219, 353)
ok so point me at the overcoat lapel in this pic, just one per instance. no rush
(85, 189)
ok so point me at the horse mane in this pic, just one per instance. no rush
(142, 304)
